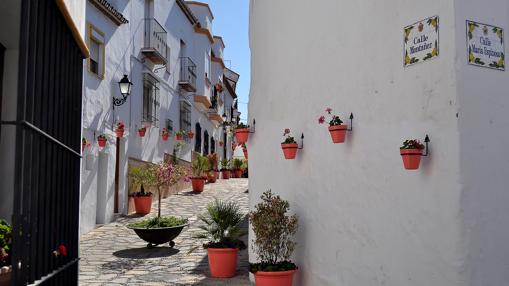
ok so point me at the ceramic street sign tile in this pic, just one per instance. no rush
(421, 41)
(485, 45)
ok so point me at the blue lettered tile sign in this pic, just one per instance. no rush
(485, 44)
(421, 41)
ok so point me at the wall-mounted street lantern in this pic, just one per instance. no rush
(125, 89)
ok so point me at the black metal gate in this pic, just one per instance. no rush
(48, 131)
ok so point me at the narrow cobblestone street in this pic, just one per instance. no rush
(114, 255)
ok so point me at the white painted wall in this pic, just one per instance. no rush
(364, 220)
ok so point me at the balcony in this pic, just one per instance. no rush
(187, 80)
(154, 45)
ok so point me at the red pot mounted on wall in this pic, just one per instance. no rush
(279, 278)
(102, 142)
(165, 136)
(190, 135)
(143, 205)
(411, 158)
(179, 137)
(120, 133)
(242, 135)
(225, 174)
(338, 133)
(290, 150)
(222, 262)
(198, 184)
(142, 132)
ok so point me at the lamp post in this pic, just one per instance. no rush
(125, 89)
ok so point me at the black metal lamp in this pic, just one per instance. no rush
(125, 90)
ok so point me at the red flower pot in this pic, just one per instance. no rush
(198, 184)
(141, 132)
(102, 142)
(411, 158)
(278, 278)
(83, 145)
(165, 136)
(222, 262)
(211, 177)
(120, 132)
(338, 133)
(242, 135)
(238, 173)
(226, 174)
(179, 137)
(290, 150)
(143, 205)
(190, 135)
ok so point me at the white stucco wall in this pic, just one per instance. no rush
(364, 220)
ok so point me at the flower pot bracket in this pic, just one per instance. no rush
(426, 141)
(350, 128)
(301, 142)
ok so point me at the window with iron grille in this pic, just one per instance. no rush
(185, 116)
(150, 99)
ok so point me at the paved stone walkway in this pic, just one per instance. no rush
(114, 255)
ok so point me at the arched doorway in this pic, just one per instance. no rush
(205, 142)
(197, 141)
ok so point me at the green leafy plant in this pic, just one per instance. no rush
(222, 225)
(335, 120)
(181, 133)
(237, 164)
(225, 164)
(241, 125)
(199, 166)
(5, 243)
(141, 177)
(244, 165)
(288, 139)
(412, 144)
(157, 222)
(273, 229)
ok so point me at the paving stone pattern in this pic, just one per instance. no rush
(114, 255)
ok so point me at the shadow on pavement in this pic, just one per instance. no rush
(143, 252)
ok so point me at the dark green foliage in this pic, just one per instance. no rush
(158, 222)
(412, 144)
(266, 267)
(5, 243)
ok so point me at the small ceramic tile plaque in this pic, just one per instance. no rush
(485, 44)
(421, 41)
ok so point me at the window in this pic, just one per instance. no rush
(169, 126)
(150, 99)
(205, 142)
(95, 62)
(185, 116)
(197, 142)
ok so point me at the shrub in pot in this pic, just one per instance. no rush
(159, 230)
(225, 168)
(142, 199)
(222, 227)
(101, 140)
(199, 166)
(411, 153)
(273, 229)
(165, 134)
(179, 136)
(242, 133)
(213, 173)
(289, 146)
(119, 128)
(190, 134)
(5, 253)
(337, 129)
(237, 167)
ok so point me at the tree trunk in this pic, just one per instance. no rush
(159, 202)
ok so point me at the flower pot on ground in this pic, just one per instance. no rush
(142, 131)
(226, 174)
(101, 140)
(411, 153)
(225, 168)
(273, 229)
(199, 166)
(242, 133)
(237, 167)
(165, 134)
(337, 129)
(5, 253)
(222, 227)
(119, 129)
(142, 199)
(211, 177)
(289, 146)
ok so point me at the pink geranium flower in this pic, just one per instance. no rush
(321, 120)
(328, 110)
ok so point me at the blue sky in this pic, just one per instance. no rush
(231, 21)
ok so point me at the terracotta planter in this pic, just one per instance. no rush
(198, 184)
(141, 132)
(278, 278)
(290, 150)
(226, 174)
(222, 262)
(120, 132)
(5, 276)
(102, 142)
(238, 173)
(411, 158)
(242, 135)
(165, 136)
(143, 205)
(338, 133)
(179, 137)
(211, 177)
(190, 135)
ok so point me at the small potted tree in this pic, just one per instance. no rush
(237, 167)
(225, 168)
(160, 230)
(165, 134)
(222, 227)
(142, 131)
(289, 146)
(5, 253)
(101, 140)
(212, 173)
(242, 133)
(411, 153)
(141, 177)
(179, 136)
(119, 129)
(273, 229)
(337, 129)
(199, 166)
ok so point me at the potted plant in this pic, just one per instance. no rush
(244, 150)
(160, 230)
(242, 133)
(190, 134)
(411, 153)
(179, 136)
(237, 167)
(289, 146)
(225, 168)
(119, 128)
(142, 199)
(212, 173)
(101, 140)
(219, 87)
(5, 253)
(273, 229)
(84, 144)
(337, 129)
(165, 134)
(199, 166)
(142, 131)
(222, 227)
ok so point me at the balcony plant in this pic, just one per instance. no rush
(237, 167)
(212, 173)
(289, 146)
(222, 227)
(225, 168)
(141, 177)
(273, 229)
(190, 134)
(101, 140)
(179, 136)
(337, 129)
(165, 133)
(5, 252)
(242, 133)
(411, 153)
(199, 166)
(142, 131)
(119, 128)
(160, 230)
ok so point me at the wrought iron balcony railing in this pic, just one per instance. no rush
(187, 78)
(155, 41)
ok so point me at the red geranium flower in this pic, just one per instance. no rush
(61, 250)
(321, 120)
